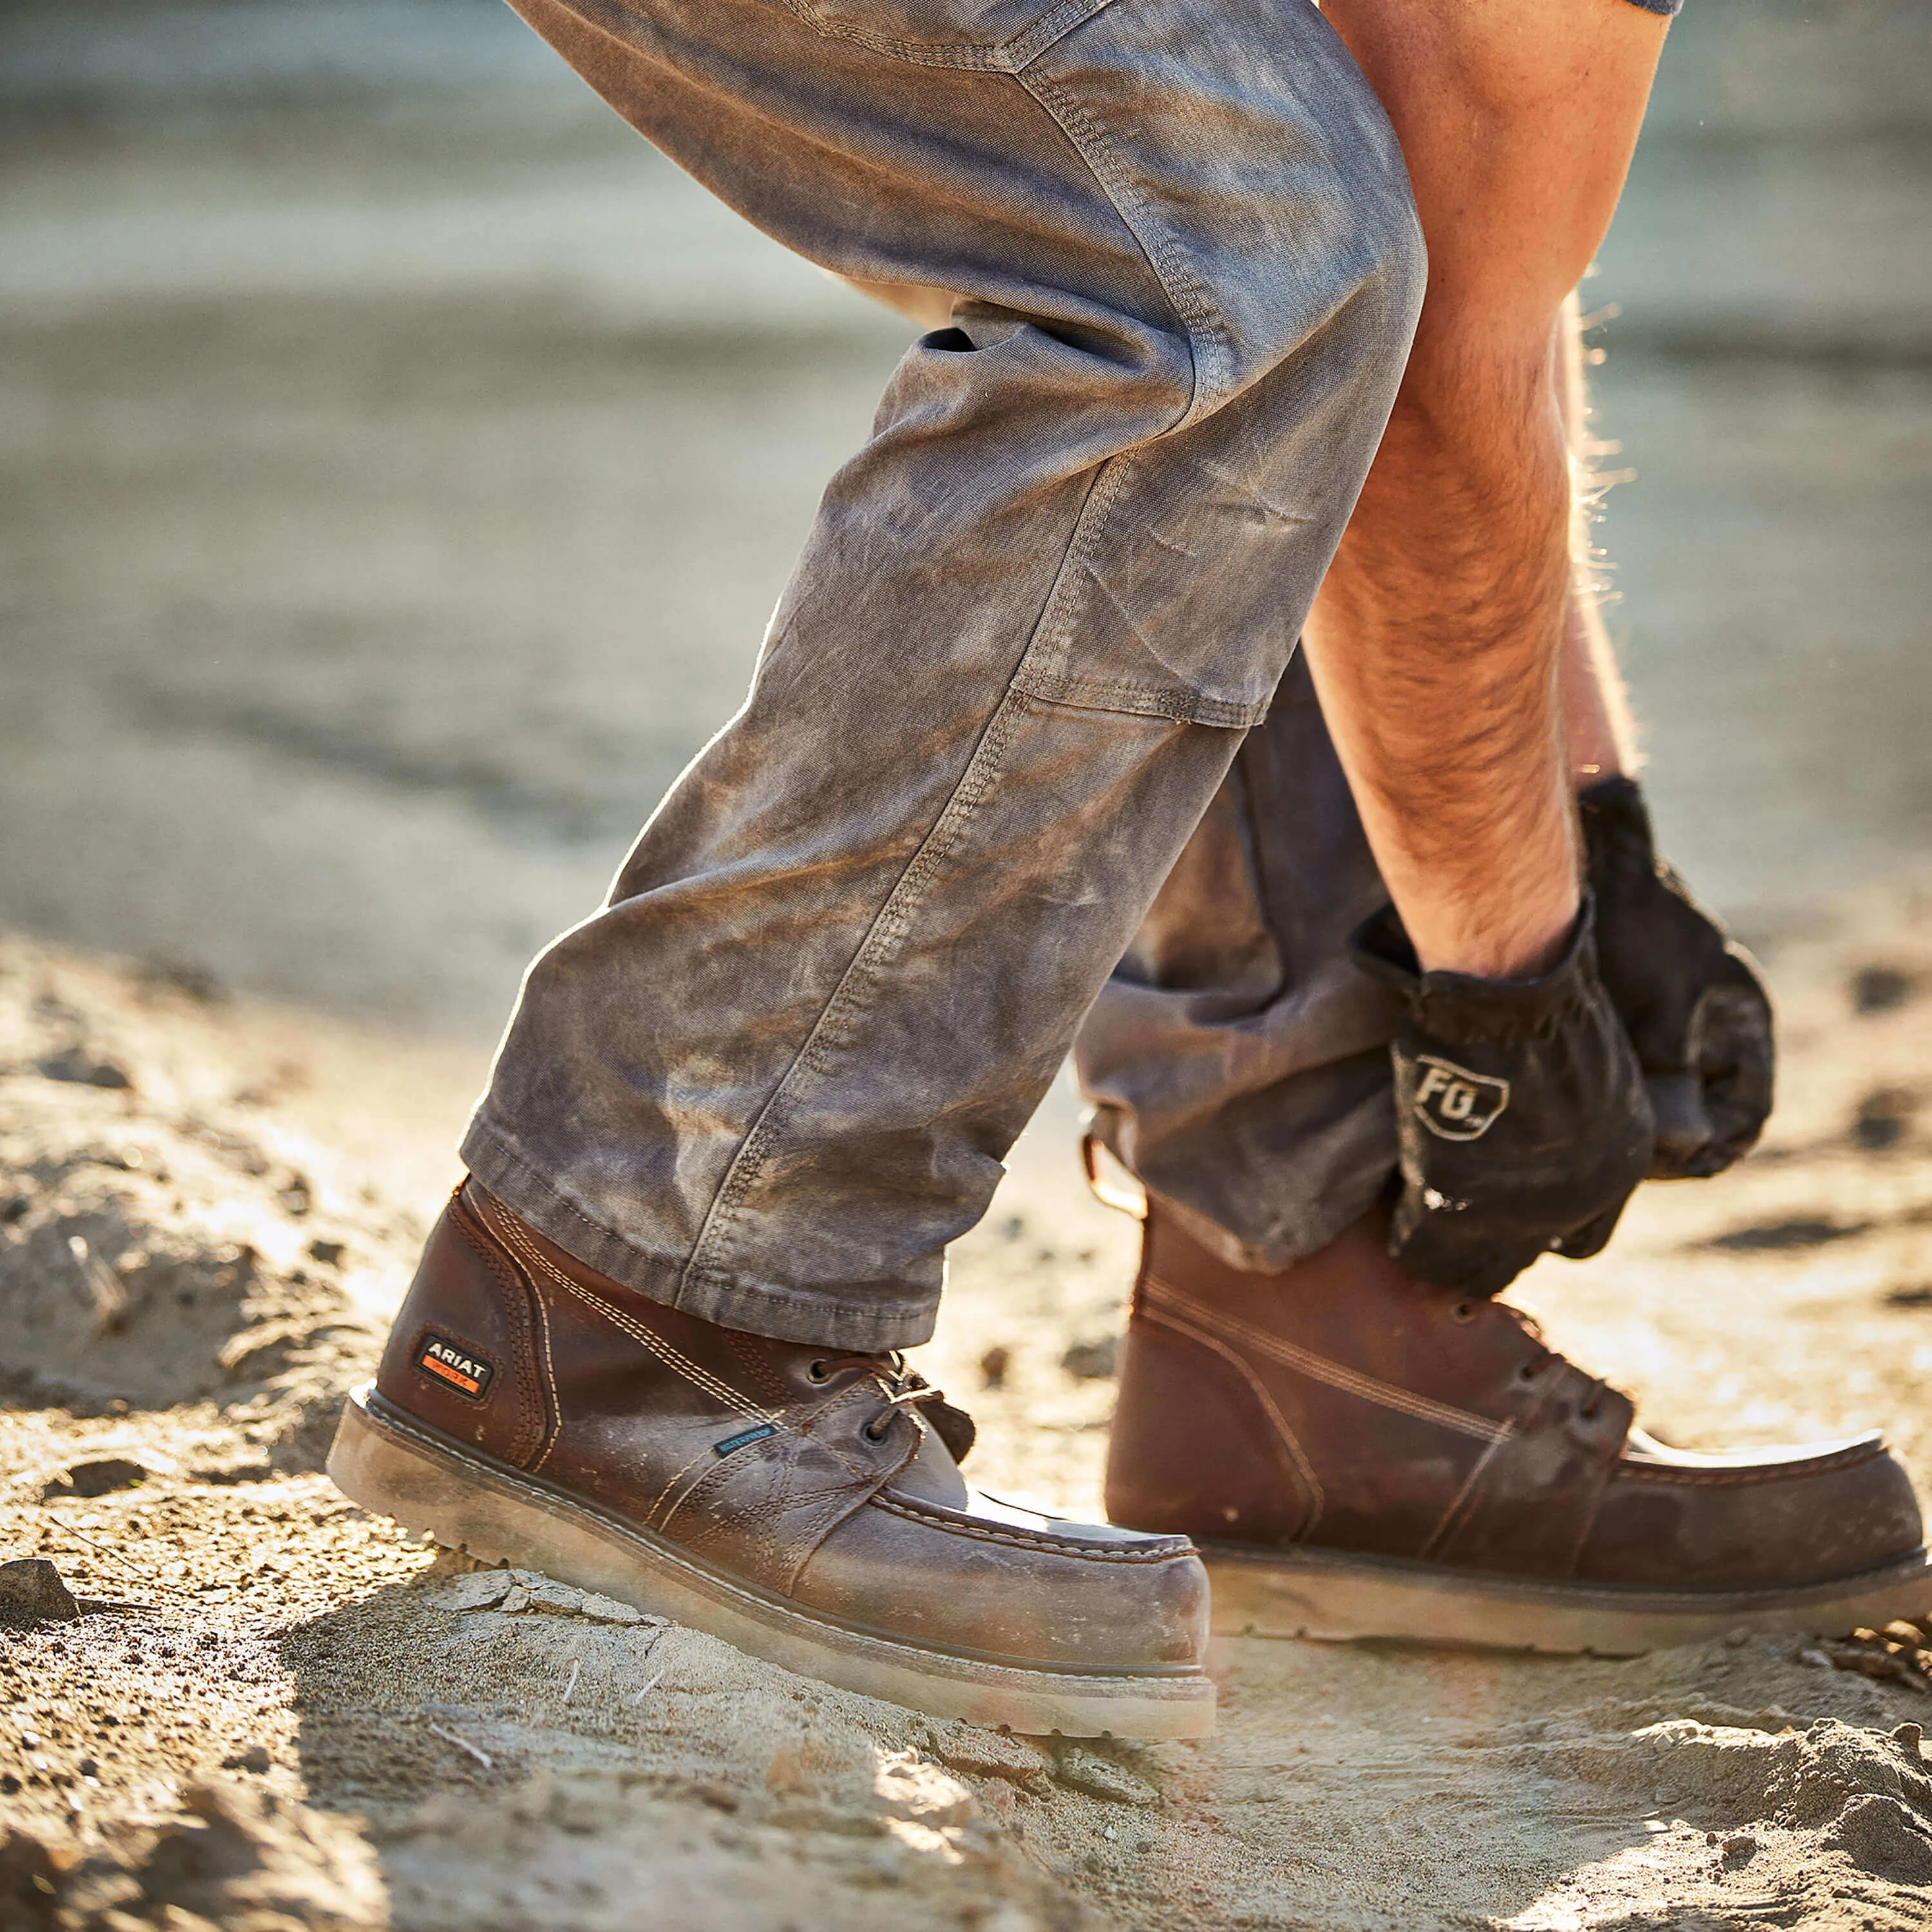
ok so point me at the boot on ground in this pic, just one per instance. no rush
(1359, 1454)
(804, 1504)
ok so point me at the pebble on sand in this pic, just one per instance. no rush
(30, 1586)
(517, 1592)
(100, 1477)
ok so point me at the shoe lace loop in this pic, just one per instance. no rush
(1590, 1406)
(904, 1389)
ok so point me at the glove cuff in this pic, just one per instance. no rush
(1616, 827)
(1453, 1007)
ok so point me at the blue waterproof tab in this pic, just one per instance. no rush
(738, 1441)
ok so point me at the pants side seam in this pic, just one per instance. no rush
(850, 997)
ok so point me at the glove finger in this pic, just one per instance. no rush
(1592, 1238)
(1684, 1129)
(1732, 1037)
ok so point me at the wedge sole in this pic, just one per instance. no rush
(437, 1489)
(1329, 1594)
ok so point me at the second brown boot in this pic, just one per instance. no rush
(1359, 1454)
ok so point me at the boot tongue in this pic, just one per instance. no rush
(932, 1476)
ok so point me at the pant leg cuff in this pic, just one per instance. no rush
(784, 1314)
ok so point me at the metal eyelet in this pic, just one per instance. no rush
(1589, 1415)
(873, 1433)
(1526, 1372)
(815, 1371)
(1464, 1311)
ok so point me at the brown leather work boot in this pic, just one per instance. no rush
(1359, 1454)
(800, 1503)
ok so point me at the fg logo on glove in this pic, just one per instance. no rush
(1454, 1104)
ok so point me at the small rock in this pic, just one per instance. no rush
(1900, 1631)
(1739, 1847)
(988, 1754)
(1093, 1361)
(76, 1064)
(555, 1600)
(255, 1759)
(531, 1591)
(1080, 1769)
(993, 1365)
(30, 1884)
(1867, 1655)
(329, 1253)
(97, 1478)
(479, 1591)
(1736, 1639)
(1882, 1120)
(1880, 989)
(1908, 1737)
(30, 1586)
(608, 1610)
(1815, 1658)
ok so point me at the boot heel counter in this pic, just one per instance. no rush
(1194, 1450)
(462, 1354)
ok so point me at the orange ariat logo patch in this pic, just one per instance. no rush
(460, 1368)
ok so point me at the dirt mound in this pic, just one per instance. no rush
(242, 1859)
(153, 1254)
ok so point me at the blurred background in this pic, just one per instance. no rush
(400, 461)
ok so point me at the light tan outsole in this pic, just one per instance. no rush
(464, 1504)
(1328, 1595)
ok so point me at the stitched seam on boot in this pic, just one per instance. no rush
(1766, 1472)
(757, 1371)
(1319, 1368)
(1462, 1505)
(511, 1282)
(463, 1215)
(657, 1502)
(549, 1376)
(671, 1357)
(1317, 1500)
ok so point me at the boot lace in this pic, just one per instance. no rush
(1532, 1368)
(905, 1389)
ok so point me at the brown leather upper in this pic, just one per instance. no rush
(1344, 1405)
(814, 1474)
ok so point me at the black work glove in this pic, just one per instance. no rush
(1691, 999)
(1520, 1112)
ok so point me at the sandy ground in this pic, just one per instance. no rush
(275, 1712)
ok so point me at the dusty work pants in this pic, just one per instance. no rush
(1037, 618)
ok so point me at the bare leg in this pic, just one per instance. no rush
(1597, 729)
(1437, 642)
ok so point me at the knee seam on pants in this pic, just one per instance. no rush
(1208, 347)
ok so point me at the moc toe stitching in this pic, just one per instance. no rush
(1748, 1474)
